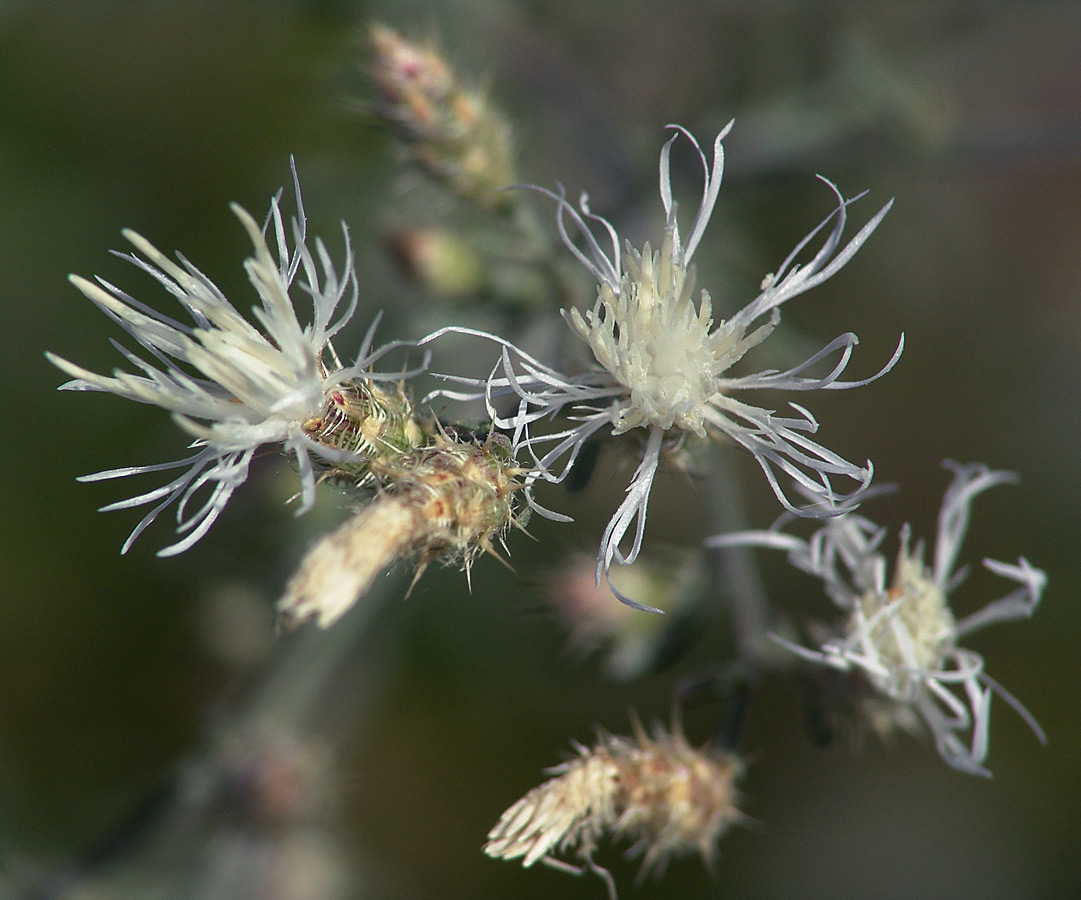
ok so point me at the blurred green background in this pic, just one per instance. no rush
(134, 684)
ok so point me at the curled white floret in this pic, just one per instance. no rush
(901, 632)
(234, 386)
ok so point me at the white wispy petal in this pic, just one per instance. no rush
(232, 386)
(902, 633)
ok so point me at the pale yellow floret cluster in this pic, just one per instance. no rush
(907, 630)
(652, 340)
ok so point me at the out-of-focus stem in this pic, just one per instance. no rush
(737, 572)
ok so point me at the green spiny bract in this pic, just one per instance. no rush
(371, 423)
(433, 492)
(463, 490)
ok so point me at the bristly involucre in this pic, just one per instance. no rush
(234, 386)
(449, 500)
(900, 633)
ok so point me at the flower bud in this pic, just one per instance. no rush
(453, 132)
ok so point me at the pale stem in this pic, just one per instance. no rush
(311, 665)
(736, 571)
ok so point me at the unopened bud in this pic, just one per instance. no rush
(634, 641)
(438, 260)
(452, 131)
(366, 422)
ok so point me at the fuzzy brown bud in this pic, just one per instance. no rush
(670, 581)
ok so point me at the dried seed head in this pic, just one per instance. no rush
(677, 799)
(571, 810)
(463, 493)
(666, 796)
(341, 567)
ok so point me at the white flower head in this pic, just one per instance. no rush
(901, 632)
(663, 362)
(234, 386)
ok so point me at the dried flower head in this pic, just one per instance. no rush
(232, 385)
(666, 796)
(900, 634)
(663, 362)
(449, 500)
